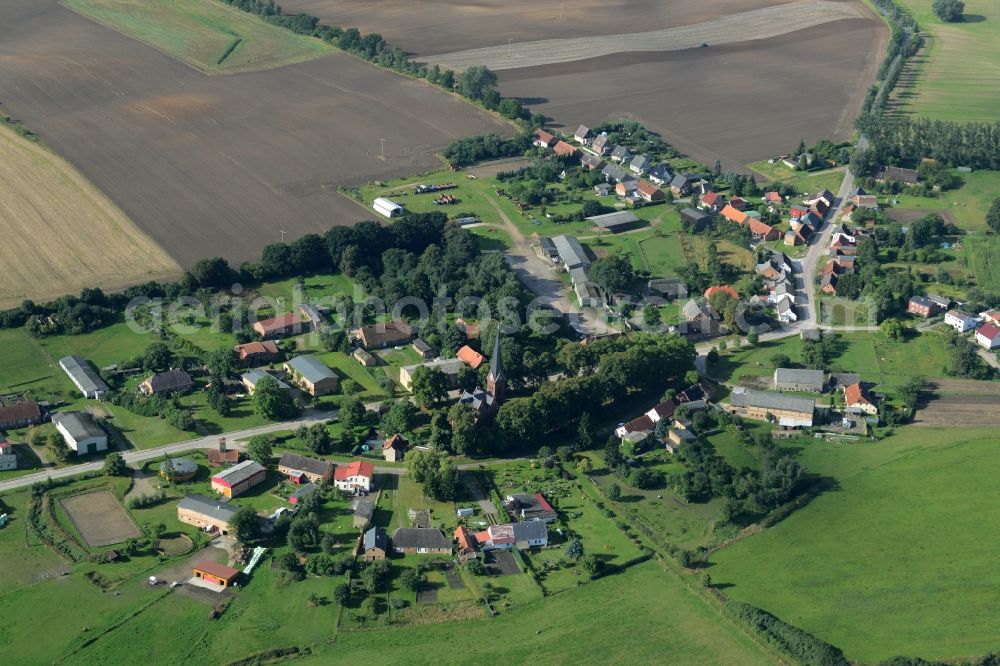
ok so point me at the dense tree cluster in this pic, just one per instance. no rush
(907, 140)
(806, 648)
(470, 150)
(949, 11)
(434, 469)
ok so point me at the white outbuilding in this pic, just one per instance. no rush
(387, 208)
(81, 432)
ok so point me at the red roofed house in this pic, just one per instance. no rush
(216, 573)
(563, 149)
(988, 335)
(772, 197)
(798, 212)
(711, 201)
(470, 357)
(543, 139)
(734, 215)
(277, 327)
(257, 353)
(722, 289)
(467, 544)
(856, 402)
(649, 192)
(496, 536)
(993, 316)
(395, 448)
(763, 231)
(354, 477)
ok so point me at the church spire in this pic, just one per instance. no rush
(496, 363)
(496, 382)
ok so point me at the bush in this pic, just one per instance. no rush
(802, 645)
(949, 11)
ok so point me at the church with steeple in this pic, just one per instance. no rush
(487, 402)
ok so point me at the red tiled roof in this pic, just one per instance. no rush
(563, 148)
(759, 228)
(723, 289)
(356, 468)
(278, 323)
(710, 198)
(542, 135)
(216, 569)
(647, 188)
(395, 440)
(470, 357)
(733, 215)
(483, 537)
(216, 457)
(989, 330)
(250, 348)
(465, 540)
(854, 396)
(773, 197)
(542, 502)
(641, 424)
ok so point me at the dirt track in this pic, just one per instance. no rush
(217, 165)
(755, 24)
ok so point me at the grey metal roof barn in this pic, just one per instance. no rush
(84, 376)
(375, 538)
(304, 491)
(80, 425)
(615, 221)
(310, 368)
(420, 537)
(570, 251)
(240, 473)
(769, 400)
(254, 376)
(207, 506)
(795, 377)
(305, 464)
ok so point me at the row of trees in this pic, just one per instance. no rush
(904, 139)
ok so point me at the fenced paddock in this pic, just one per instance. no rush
(99, 518)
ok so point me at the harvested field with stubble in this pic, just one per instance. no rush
(99, 518)
(218, 165)
(61, 233)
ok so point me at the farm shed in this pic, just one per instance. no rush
(239, 478)
(313, 375)
(213, 572)
(386, 207)
(615, 222)
(81, 432)
(84, 377)
(205, 512)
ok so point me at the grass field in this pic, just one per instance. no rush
(951, 78)
(807, 183)
(208, 35)
(968, 204)
(47, 206)
(902, 563)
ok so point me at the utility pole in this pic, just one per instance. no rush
(282, 232)
(381, 154)
(560, 11)
(508, 47)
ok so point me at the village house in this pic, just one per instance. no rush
(563, 149)
(786, 410)
(394, 448)
(793, 379)
(466, 544)
(238, 479)
(84, 377)
(374, 544)
(763, 232)
(206, 513)
(680, 184)
(166, 383)
(302, 493)
(215, 573)
(254, 377)
(626, 187)
(424, 349)
(856, 402)
(530, 507)
(302, 469)
(649, 192)
(513, 535)
(828, 284)
(355, 477)
(988, 336)
(960, 321)
(601, 144)
(278, 327)
(639, 165)
(786, 311)
(646, 423)
(451, 367)
(8, 459)
(922, 307)
(380, 336)
(470, 357)
(591, 162)
(420, 540)
(775, 265)
(621, 154)
(862, 199)
(678, 437)
(20, 414)
(582, 135)
(943, 302)
(711, 201)
(614, 174)
(81, 432)
(794, 237)
(731, 214)
(312, 375)
(311, 315)
(824, 196)
(660, 175)
(543, 139)
(907, 177)
(257, 353)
